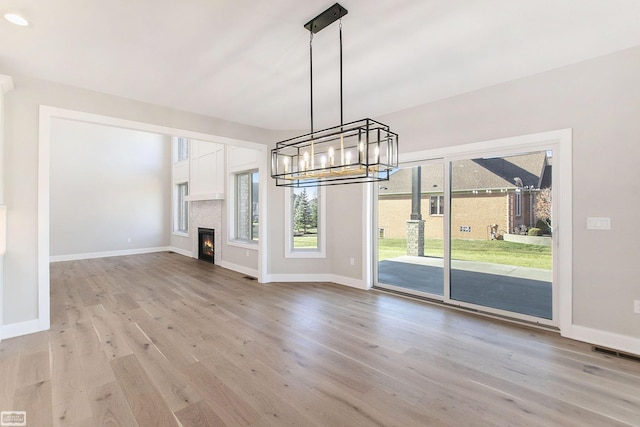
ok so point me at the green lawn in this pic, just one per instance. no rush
(491, 251)
(305, 241)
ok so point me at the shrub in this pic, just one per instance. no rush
(521, 230)
(543, 226)
(534, 231)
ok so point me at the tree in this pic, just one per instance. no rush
(302, 212)
(313, 219)
(542, 208)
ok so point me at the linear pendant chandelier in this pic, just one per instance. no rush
(355, 152)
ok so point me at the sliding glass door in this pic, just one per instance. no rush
(472, 231)
(500, 235)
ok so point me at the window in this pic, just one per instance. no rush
(304, 214)
(246, 193)
(181, 149)
(437, 205)
(518, 202)
(305, 222)
(181, 216)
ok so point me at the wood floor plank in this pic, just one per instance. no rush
(174, 386)
(162, 339)
(34, 368)
(147, 404)
(272, 407)
(9, 364)
(108, 332)
(109, 407)
(223, 400)
(70, 403)
(199, 414)
(35, 400)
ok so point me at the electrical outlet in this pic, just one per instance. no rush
(247, 252)
(129, 240)
(353, 261)
(636, 306)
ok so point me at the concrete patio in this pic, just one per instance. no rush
(517, 289)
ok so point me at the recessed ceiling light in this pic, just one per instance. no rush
(14, 18)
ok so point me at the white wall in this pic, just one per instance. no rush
(110, 189)
(599, 100)
(21, 172)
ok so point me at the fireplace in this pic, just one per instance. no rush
(206, 246)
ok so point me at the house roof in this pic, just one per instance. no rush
(474, 174)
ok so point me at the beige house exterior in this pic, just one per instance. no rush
(498, 192)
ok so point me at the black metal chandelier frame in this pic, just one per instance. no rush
(357, 152)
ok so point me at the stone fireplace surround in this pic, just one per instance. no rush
(206, 214)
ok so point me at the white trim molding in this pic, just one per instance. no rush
(107, 254)
(606, 339)
(319, 278)
(239, 269)
(289, 250)
(21, 328)
(182, 252)
(6, 84)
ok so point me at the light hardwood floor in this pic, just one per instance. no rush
(161, 339)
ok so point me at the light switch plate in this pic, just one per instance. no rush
(598, 223)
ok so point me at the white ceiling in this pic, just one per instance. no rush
(248, 61)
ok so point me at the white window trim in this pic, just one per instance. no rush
(289, 250)
(440, 205)
(233, 240)
(175, 231)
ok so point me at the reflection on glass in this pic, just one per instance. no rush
(410, 229)
(500, 233)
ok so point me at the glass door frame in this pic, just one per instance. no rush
(557, 141)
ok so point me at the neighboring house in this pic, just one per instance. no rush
(498, 192)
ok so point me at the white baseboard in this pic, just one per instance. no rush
(331, 278)
(21, 328)
(606, 339)
(239, 268)
(181, 252)
(90, 255)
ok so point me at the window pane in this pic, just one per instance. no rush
(182, 208)
(494, 262)
(304, 216)
(183, 149)
(254, 206)
(243, 210)
(411, 246)
(247, 206)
